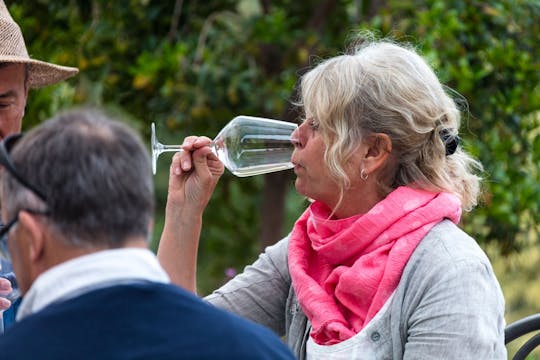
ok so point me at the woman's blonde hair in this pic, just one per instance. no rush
(382, 87)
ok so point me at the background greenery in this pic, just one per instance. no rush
(191, 66)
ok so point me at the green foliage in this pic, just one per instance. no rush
(192, 68)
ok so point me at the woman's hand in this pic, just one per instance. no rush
(193, 177)
(194, 174)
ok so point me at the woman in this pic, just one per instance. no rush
(376, 267)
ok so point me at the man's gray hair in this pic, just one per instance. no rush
(95, 173)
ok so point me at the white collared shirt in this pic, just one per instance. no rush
(89, 272)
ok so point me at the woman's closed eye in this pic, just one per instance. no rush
(313, 124)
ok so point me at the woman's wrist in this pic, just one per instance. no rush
(183, 216)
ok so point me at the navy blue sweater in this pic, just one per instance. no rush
(138, 321)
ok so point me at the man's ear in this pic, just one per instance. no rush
(379, 147)
(31, 232)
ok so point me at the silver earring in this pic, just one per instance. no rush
(363, 174)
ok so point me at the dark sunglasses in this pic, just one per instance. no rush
(6, 146)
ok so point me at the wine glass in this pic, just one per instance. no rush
(247, 146)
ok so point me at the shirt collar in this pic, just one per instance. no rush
(88, 272)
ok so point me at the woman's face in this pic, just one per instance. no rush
(313, 178)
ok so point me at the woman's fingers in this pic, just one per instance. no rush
(184, 159)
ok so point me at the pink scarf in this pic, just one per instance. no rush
(344, 270)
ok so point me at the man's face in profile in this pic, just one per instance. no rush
(13, 94)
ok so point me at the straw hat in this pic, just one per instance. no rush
(13, 50)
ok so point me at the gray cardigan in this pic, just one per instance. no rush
(448, 304)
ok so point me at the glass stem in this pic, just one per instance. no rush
(170, 148)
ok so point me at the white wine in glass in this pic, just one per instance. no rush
(247, 146)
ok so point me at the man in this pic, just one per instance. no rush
(18, 73)
(77, 200)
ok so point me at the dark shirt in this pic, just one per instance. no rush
(138, 321)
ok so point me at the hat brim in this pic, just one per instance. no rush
(41, 73)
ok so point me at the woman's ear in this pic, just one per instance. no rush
(379, 147)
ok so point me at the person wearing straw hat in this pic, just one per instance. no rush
(19, 73)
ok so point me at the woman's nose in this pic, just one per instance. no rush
(295, 138)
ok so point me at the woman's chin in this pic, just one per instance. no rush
(300, 187)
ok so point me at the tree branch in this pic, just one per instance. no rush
(174, 20)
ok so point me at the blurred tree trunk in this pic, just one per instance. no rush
(273, 208)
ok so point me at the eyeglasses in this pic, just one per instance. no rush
(6, 146)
